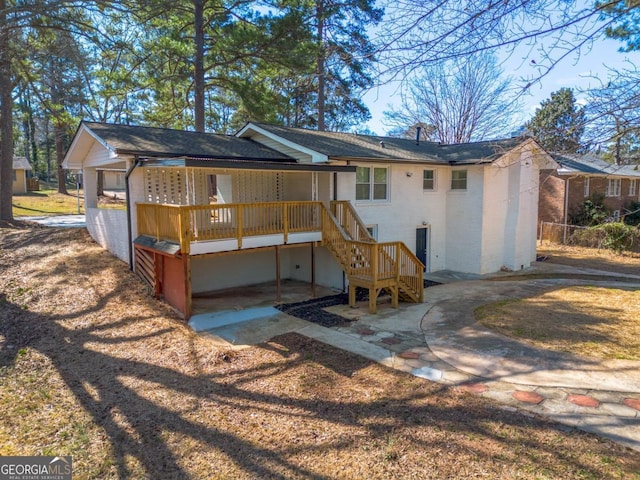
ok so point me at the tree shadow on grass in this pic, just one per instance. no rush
(321, 400)
(136, 425)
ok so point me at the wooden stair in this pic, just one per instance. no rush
(389, 266)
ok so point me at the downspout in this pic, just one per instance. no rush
(136, 163)
(335, 186)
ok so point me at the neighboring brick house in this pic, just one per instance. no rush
(580, 177)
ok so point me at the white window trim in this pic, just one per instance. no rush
(586, 187)
(371, 200)
(633, 191)
(616, 215)
(435, 177)
(466, 187)
(373, 231)
(616, 183)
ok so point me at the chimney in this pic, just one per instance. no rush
(418, 135)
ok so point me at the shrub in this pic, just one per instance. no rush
(634, 217)
(615, 236)
(591, 212)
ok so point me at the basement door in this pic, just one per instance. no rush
(422, 246)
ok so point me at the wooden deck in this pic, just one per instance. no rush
(368, 264)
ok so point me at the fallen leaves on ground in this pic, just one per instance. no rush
(92, 366)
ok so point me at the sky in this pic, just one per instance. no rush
(576, 73)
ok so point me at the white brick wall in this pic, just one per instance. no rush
(109, 229)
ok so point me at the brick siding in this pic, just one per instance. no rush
(552, 191)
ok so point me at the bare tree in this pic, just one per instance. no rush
(613, 117)
(540, 32)
(457, 101)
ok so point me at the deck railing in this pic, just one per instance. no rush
(194, 223)
(343, 233)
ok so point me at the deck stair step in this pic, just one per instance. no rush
(389, 266)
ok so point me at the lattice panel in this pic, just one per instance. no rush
(252, 187)
(165, 186)
(197, 190)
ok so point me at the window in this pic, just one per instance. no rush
(458, 180)
(616, 215)
(372, 183)
(373, 231)
(613, 187)
(428, 179)
(586, 186)
(632, 188)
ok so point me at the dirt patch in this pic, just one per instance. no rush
(93, 367)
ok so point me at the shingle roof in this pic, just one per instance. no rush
(177, 143)
(21, 163)
(576, 163)
(350, 145)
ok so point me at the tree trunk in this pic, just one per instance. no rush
(59, 133)
(100, 175)
(47, 147)
(6, 120)
(198, 67)
(320, 64)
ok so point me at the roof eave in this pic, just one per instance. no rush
(156, 154)
(235, 164)
(316, 157)
(343, 158)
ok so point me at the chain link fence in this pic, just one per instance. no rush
(611, 236)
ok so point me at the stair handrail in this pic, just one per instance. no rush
(350, 218)
(412, 269)
(418, 266)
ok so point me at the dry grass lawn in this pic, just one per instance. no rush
(48, 201)
(591, 321)
(91, 366)
(591, 258)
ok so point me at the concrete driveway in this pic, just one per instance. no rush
(441, 341)
(64, 221)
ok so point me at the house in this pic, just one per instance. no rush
(113, 180)
(581, 177)
(466, 207)
(20, 167)
(208, 212)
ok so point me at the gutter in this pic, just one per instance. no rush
(136, 163)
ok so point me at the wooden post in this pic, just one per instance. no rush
(373, 263)
(277, 274)
(156, 213)
(352, 295)
(183, 227)
(373, 299)
(285, 221)
(239, 226)
(313, 270)
(397, 260)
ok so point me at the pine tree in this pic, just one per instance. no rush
(558, 124)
